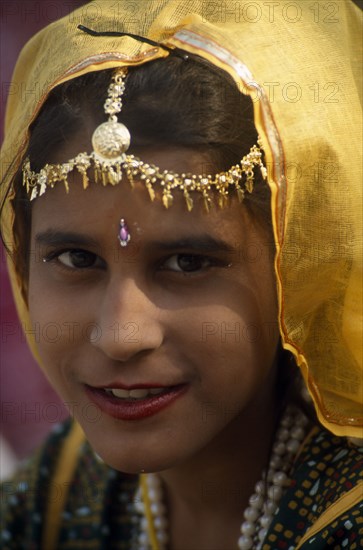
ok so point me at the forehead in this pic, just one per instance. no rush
(99, 207)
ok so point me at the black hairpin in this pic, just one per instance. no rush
(174, 51)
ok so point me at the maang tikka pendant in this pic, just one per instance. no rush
(124, 235)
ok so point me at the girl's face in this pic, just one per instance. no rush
(186, 314)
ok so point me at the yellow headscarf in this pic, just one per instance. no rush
(301, 64)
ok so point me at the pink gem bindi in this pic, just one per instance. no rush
(123, 234)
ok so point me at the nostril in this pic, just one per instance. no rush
(93, 333)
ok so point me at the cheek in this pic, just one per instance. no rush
(55, 323)
(54, 303)
(244, 326)
(58, 343)
(232, 348)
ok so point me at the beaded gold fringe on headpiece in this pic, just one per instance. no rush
(109, 162)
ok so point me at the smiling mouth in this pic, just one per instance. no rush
(135, 403)
(135, 394)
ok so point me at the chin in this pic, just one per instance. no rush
(135, 461)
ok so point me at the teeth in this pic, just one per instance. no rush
(134, 394)
(120, 393)
(156, 391)
(138, 394)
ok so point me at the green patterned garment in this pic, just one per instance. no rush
(99, 508)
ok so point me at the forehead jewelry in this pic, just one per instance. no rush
(124, 235)
(109, 161)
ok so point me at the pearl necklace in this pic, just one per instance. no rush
(263, 504)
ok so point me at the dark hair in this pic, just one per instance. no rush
(169, 101)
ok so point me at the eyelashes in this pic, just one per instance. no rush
(80, 260)
(188, 263)
(74, 259)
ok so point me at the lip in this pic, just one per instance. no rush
(120, 386)
(134, 410)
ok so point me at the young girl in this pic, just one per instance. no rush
(181, 209)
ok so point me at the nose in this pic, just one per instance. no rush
(127, 322)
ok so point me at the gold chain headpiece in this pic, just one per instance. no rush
(109, 161)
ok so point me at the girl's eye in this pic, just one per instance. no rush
(187, 263)
(75, 259)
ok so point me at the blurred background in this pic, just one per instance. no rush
(29, 406)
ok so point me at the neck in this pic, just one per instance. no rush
(213, 488)
(221, 472)
(211, 520)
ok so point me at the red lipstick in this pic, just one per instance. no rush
(134, 409)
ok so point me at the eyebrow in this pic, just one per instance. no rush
(52, 237)
(200, 243)
(197, 243)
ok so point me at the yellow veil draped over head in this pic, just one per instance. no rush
(301, 64)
